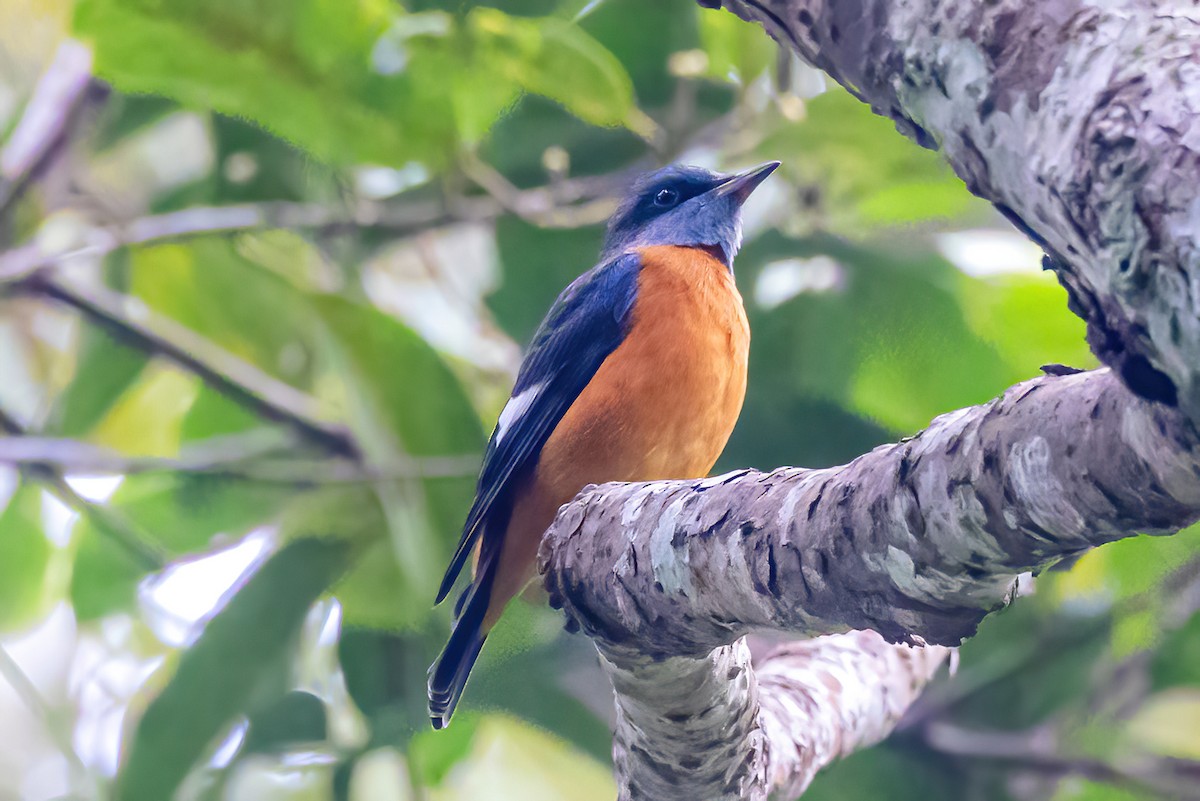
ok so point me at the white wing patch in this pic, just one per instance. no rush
(516, 408)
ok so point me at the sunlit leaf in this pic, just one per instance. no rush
(1025, 318)
(105, 369)
(211, 288)
(145, 419)
(216, 676)
(556, 59)
(509, 759)
(403, 402)
(25, 555)
(735, 48)
(1169, 724)
(867, 173)
(1074, 788)
(353, 82)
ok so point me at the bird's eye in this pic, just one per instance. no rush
(666, 197)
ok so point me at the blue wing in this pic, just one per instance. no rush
(587, 322)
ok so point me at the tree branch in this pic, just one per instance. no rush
(233, 459)
(129, 536)
(1047, 110)
(44, 125)
(239, 380)
(1076, 119)
(567, 203)
(918, 541)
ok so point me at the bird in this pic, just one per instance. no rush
(637, 373)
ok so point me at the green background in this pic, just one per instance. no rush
(419, 127)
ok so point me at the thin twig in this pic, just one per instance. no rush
(137, 542)
(239, 380)
(43, 126)
(81, 458)
(569, 203)
(540, 207)
(1034, 751)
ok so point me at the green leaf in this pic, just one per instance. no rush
(105, 369)
(538, 263)
(431, 754)
(1025, 318)
(556, 59)
(376, 592)
(737, 50)
(296, 717)
(662, 28)
(25, 555)
(884, 772)
(510, 759)
(360, 81)
(1177, 660)
(884, 337)
(1077, 789)
(182, 512)
(299, 69)
(385, 674)
(869, 175)
(209, 287)
(216, 676)
(1168, 723)
(404, 402)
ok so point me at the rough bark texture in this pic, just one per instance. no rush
(1076, 119)
(917, 540)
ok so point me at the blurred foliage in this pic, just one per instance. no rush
(381, 143)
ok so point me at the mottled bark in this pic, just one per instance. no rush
(917, 540)
(1077, 120)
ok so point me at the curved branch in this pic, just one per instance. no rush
(1078, 120)
(917, 540)
(1046, 109)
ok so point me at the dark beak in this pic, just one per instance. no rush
(742, 184)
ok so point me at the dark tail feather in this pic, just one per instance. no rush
(448, 675)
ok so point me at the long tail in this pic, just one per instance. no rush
(448, 675)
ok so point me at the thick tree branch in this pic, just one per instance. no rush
(1078, 121)
(805, 705)
(918, 541)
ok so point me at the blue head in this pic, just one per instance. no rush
(688, 206)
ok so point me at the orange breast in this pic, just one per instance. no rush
(662, 405)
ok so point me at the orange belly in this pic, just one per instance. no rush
(662, 405)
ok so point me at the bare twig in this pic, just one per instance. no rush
(543, 208)
(43, 127)
(81, 458)
(1036, 750)
(109, 522)
(569, 203)
(241, 381)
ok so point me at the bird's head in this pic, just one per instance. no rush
(687, 206)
